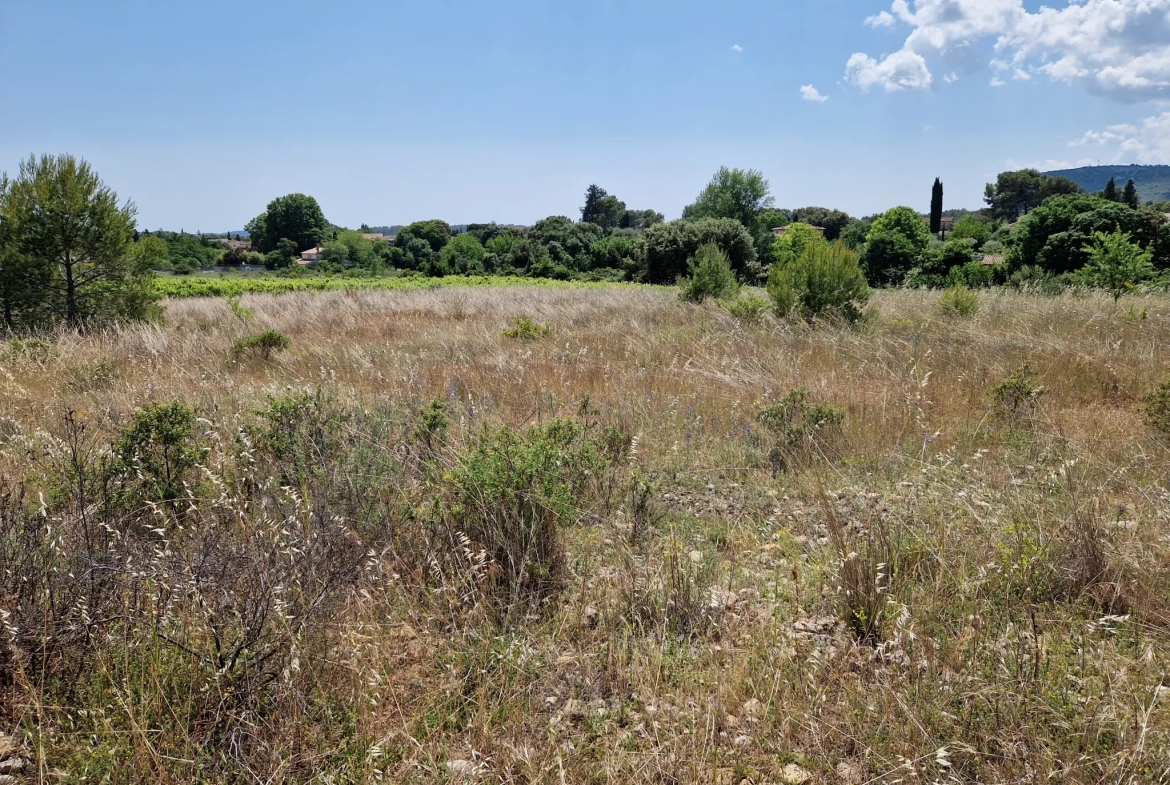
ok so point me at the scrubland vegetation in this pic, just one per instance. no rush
(590, 535)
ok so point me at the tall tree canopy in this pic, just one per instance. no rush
(936, 207)
(832, 221)
(1110, 191)
(602, 209)
(67, 247)
(741, 194)
(295, 217)
(1130, 196)
(668, 247)
(1055, 235)
(1018, 193)
(894, 246)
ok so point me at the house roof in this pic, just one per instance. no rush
(992, 259)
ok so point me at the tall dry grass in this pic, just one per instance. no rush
(955, 594)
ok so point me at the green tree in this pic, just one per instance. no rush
(937, 261)
(668, 246)
(1130, 196)
(435, 233)
(825, 282)
(936, 207)
(616, 252)
(1017, 193)
(711, 276)
(832, 221)
(792, 244)
(733, 193)
(152, 250)
(641, 219)
(463, 255)
(1116, 264)
(1054, 236)
(69, 250)
(1110, 191)
(894, 246)
(969, 227)
(295, 217)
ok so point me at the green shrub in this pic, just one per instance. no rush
(158, 450)
(1158, 408)
(1017, 395)
(748, 307)
(1116, 263)
(527, 330)
(239, 311)
(301, 432)
(711, 276)
(959, 301)
(797, 428)
(825, 282)
(265, 344)
(511, 494)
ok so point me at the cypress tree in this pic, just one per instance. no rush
(936, 207)
(1130, 195)
(1110, 191)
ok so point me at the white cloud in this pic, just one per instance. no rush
(903, 70)
(1147, 143)
(951, 78)
(810, 93)
(1116, 48)
(997, 82)
(884, 19)
(736, 48)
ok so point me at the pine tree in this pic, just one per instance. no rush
(936, 207)
(594, 196)
(1110, 191)
(1130, 195)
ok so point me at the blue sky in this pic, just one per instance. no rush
(390, 112)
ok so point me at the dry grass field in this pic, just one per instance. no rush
(592, 560)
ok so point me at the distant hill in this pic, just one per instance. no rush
(1153, 182)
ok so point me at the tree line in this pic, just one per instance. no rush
(69, 250)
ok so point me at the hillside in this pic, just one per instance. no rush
(1153, 182)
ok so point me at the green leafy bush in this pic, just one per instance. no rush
(527, 330)
(264, 344)
(511, 494)
(958, 301)
(825, 282)
(157, 450)
(748, 307)
(711, 276)
(797, 429)
(1116, 264)
(1018, 395)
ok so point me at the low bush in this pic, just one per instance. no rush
(264, 344)
(797, 429)
(1018, 396)
(527, 330)
(508, 499)
(748, 307)
(959, 301)
(158, 450)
